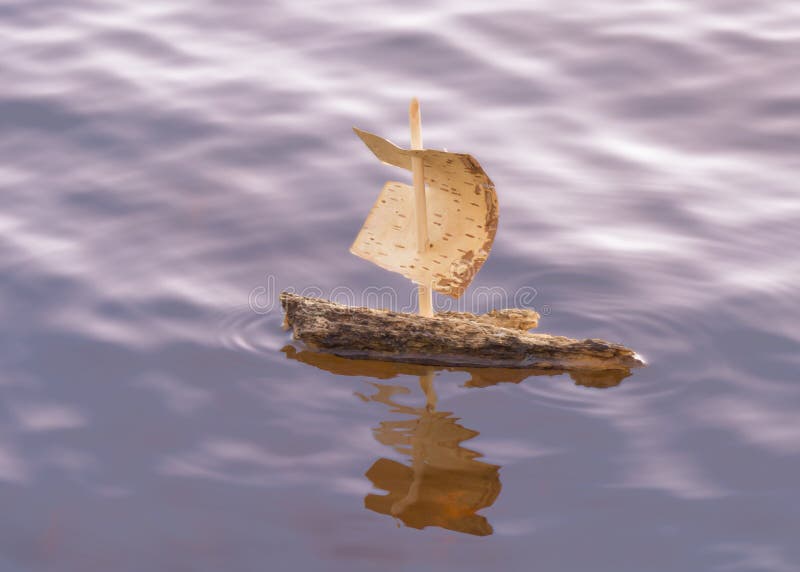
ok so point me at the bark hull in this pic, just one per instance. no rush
(451, 339)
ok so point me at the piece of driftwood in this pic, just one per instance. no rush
(513, 318)
(442, 339)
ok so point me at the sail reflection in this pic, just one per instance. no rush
(443, 484)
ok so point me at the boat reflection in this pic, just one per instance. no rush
(478, 376)
(445, 484)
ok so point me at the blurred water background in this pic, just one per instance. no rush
(161, 161)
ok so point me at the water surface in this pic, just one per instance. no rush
(162, 161)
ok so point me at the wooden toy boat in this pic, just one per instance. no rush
(438, 233)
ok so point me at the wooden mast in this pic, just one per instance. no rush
(420, 207)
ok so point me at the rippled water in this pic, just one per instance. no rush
(161, 161)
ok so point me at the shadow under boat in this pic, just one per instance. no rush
(445, 484)
(478, 376)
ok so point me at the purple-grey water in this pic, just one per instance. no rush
(163, 161)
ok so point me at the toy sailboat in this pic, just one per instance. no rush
(437, 232)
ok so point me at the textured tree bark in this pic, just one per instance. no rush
(450, 339)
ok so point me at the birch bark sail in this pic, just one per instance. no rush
(462, 204)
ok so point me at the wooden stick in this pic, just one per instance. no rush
(421, 209)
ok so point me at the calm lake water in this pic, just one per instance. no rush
(162, 161)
